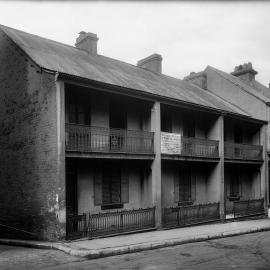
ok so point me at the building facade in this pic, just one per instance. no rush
(91, 146)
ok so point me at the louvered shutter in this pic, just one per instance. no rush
(176, 185)
(193, 185)
(97, 186)
(124, 186)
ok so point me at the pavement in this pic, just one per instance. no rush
(121, 244)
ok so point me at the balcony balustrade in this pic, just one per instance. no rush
(80, 138)
(242, 151)
(175, 144)
(195, 147)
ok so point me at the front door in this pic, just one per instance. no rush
(71, 190)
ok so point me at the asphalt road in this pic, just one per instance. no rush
(250, 251)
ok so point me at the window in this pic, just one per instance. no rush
(185, 185)
(79, 110)
(235, 184)
(189, 126)
(166, 121)
(111, 187)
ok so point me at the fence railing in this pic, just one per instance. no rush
(98, 139)
(199, 147)
(248, 208)
(109, 223)
(187, 215)
(242, 151)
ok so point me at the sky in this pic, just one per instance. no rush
(188, 35)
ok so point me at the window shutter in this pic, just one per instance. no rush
(193, 186)
(97, 187)
(124, 187)
(176, 185)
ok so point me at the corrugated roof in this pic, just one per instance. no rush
(70, 60)
(254, 88)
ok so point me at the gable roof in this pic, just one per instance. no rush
(254, 88)
(62, 58)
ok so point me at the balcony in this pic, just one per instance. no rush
(175, 144)
(195, 147)
(87, 139)
(243, 151)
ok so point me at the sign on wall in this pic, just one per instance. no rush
(170, 143)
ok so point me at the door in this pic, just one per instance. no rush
(71, 190)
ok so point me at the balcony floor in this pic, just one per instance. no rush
(241, 161)
(186, 158)
(116, 155)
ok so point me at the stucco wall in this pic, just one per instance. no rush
(138, 191)
(206, 188)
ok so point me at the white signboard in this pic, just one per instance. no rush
(170, 143)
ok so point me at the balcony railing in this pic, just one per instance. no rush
(248, 208)
(242, 151)
(82, 138)
(195, 147)
(110, 223)
(188, 215)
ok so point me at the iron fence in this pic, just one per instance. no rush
(98, 139)
(199, 147)
(110, 223)
(187, 215)
(242, 151)
(76, 226)
(247, 208)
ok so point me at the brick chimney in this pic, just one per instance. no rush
(198, 78)
(245, 72)
(87, 42)
(152, 63)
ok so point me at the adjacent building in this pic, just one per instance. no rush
(92, 146)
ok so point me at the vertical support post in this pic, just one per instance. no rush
(61, 192)
(264, 170)
(221, 169)
(156, 164)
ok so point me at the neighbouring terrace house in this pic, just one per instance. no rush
(91, 146)
(245, 160)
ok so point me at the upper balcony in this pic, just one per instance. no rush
(186, 147)
(189, 135)
(88, 139)
(242, 141)
(241, 151)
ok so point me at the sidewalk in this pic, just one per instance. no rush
(115, 245)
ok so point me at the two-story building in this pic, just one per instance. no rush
(92, 146)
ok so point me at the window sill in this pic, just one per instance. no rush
(112, 206)
(185, 203)
(234, 198)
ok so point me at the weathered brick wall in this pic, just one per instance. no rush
(32, 196)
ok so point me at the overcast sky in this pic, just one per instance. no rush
(189, 36)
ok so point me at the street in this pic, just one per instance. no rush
(251, 251)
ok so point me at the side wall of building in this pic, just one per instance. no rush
(32, 196)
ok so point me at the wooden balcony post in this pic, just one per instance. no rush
(156, 164)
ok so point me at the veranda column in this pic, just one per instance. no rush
(217, 176)
(221, 168)
(264, 167)
(61, 194)
(156, 165)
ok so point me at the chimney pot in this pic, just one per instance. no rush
(87, 42)
(152, 63)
